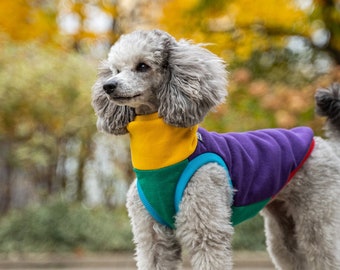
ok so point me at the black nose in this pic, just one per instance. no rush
(110, 87)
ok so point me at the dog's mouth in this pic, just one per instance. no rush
(124, 99)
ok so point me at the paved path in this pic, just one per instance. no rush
(243, 261)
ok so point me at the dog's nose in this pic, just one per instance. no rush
(110, 87)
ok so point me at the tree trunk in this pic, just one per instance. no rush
(83, 156)
(6, 170)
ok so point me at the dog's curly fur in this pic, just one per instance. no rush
(149, 71)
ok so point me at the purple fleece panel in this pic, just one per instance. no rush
(259, 162)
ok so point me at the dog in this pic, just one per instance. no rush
(190, 192)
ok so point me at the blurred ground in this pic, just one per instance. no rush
(243, 261)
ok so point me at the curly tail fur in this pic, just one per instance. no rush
(328, 104)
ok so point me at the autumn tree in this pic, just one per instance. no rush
(69, 24)
(45, 118)
(24, 20)
(87, 24)
(47, 125)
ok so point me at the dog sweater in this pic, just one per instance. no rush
(258, 164)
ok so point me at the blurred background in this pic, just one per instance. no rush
(62, 184)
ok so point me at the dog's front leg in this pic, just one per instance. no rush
(203, 221)
(156, 245)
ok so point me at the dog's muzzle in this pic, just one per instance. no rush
(110, 87)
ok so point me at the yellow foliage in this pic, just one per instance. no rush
(181, 4)
(271, 13)
(26, 20)
(238, 27)
(175, 18)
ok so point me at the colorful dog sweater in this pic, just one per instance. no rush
(258, 164)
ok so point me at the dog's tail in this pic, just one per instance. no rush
(328, 104)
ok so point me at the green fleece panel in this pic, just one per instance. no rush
(160, 203)
(242, 213)
(152, 183)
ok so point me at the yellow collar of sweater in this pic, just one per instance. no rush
(155, 144)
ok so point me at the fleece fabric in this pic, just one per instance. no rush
(258, 164)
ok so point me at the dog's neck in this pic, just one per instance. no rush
(144, 110)
(155, 144)
(149, 107)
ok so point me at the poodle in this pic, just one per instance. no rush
(194, 186)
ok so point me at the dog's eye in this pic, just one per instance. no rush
(142, 67)
(114, 70)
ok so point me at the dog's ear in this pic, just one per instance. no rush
(112, 118)
(196, 83)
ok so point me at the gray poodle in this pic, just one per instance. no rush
(194, 186)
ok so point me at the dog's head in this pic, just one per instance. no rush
(149, 71)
